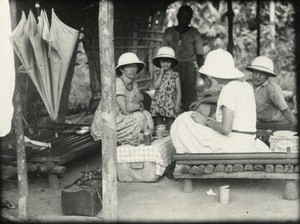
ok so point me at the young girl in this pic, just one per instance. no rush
(166, 82)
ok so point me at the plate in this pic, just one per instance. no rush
(284, 133)
(81, 132)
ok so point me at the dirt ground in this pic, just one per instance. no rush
(250, 200)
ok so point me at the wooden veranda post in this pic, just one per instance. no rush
(230, 25)
(258, 27)
(19, 133)
(108, 93)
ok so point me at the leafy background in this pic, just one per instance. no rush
(210, 19)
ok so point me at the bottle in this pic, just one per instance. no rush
(147, 137)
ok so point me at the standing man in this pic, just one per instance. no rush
(270, 103)
(187, 44)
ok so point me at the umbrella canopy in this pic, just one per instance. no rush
(45, 53)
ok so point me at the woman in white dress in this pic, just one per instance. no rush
(233, 129)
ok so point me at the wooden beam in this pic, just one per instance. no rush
(64, 219)
(230, 27)
(243, 175)
(258, 27)
(238, 161)
(108, 96)
(19, 132)
(237, 156)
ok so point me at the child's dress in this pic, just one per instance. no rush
(164, 98)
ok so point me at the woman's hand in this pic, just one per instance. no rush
(195, 104)
(131, 106)
(198, 118)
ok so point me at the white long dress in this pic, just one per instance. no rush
(191, 137)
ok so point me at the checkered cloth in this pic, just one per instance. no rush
(160, 152)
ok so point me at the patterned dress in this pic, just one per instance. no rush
(164, 98)
(128, 126)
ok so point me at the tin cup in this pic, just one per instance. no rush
(160, 131)
(224, 194)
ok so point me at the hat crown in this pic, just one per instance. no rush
(219, 60)
(128, 58)
(220, 64)
(264, 62)
(165, 52)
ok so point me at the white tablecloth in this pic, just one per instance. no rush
(160, 152)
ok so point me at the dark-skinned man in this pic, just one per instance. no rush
(187, 43)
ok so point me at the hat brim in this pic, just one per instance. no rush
(141, 65)
(174, 61)
(231, 73)
(260, 69)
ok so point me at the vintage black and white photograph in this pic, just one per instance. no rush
(143, 111)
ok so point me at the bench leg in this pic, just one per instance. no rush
(187, 186)
(53, 181)
(291, 191)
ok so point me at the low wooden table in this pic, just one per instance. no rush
(239, 165)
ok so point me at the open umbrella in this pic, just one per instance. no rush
(45, 54)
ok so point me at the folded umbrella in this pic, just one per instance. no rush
(45, 54)
(63, 40)
(21, 43)
(43, 75)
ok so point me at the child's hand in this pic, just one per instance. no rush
(139, 98)
(162, 70)
(177, 109)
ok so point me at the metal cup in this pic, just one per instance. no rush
(224, 194)
(160, 131)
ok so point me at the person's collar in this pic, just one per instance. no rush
(262, 85)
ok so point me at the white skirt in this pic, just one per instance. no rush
(191, 137)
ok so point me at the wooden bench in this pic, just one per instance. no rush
(51, 161)
(64, 148)
(239, 165)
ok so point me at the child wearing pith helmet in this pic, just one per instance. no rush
(167, 97)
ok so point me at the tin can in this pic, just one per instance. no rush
(224, 194)
(147, 138)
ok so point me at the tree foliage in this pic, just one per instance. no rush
(210, 18)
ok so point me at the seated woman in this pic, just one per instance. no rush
(131, 118)
(234, 127)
